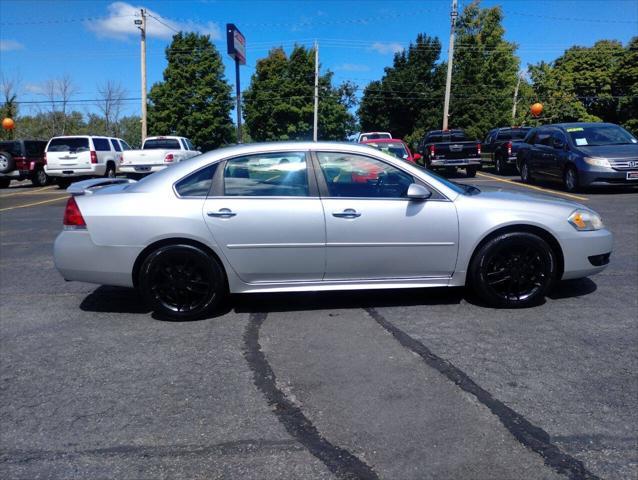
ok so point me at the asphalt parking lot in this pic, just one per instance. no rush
(414, 384)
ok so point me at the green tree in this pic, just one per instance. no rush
(625, 82)
(130, 129)
(407, 99)
(194, 99)
(279, 103)
(485, 72)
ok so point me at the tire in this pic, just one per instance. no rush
(513, 270)
(182, 282)
(570, 179)
(526, 176)
(5, 182)
(64, 182)
(110, 171)
(470, 171)
(40, 178)
(7, 164)
(499, 166)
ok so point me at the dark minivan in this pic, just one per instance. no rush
(579, 155)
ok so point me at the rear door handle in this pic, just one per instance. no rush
(347, 213)
(223, 213)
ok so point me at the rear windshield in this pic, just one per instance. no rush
(596, 135)
(161, 143)
(519, 133)
(11, 147)
(71, 144)
(374, 136)
(393, 148)
(447, 137)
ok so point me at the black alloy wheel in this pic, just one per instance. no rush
(40, 178)
(513, 270)
(525, 174)
(182, 282)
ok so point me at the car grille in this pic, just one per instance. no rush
(624, 163)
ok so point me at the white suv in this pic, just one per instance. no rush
(83, 156)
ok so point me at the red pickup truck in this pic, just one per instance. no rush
(22, 159)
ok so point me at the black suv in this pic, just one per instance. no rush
(580, 155)
(501, 146)
(22, 159)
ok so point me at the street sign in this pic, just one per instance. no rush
(236, 44)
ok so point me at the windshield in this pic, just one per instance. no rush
(161, 143)
(70, 144)
(598, 135)
(393, 148)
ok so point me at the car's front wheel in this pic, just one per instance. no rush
(513, 270)
(570, 179)
(40, 178)
(182, 282)
(526, 177)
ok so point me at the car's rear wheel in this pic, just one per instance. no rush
(110, 170)
(513, 270)
(470, 171)
(526, 176)
(182, 282)
(500, 166)
(570, 179)
(40, 178)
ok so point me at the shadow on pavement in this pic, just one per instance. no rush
(572, 288)
(114, 300)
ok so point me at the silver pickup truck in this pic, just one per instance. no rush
(156, 154)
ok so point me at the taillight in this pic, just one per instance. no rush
(45, 158)
(93, 157)
(509, 149)
(72, 216)
(432, 150)
(169, 158)
(478, 149)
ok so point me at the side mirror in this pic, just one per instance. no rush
(418, 192)
(559, 144)
(416, 157)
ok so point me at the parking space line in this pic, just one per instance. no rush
(533, 187)
(34, 203)
(27, 191)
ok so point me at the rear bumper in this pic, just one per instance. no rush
(142, 169)
(456, 162)
(76, 257)
(605, 177)
(93, 171)
(14, 174)
(585, 253)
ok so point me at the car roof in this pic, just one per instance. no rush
(578, 124)
(441, 132)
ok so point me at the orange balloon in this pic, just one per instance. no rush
(8, 124)
(536, 109)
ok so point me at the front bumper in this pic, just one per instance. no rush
(606, 176)
(585, 253)
(76, 257)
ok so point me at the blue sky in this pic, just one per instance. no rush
(96, 41)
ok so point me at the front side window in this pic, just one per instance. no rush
(189, 144)
(349, 175)
(125, 146)
(280, 174)
(101, 145)
(197, 184)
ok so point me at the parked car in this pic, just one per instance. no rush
(580, 155)
(450, 149)
(395, 147)
(501, 146)
(156, 154)
(373, 136)
(304, 216)
(70, 158)
(22, 159)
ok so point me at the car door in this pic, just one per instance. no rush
(559, 154)
(267, 218)
(373, 231)
(541, 154)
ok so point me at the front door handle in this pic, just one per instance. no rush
(223, 213)
(347, 213)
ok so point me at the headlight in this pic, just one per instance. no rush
(597, 162)
(585, 220)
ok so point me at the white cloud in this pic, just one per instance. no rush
(384, 48)
(119, 24)
(352, 67)
(8, 45)
(33, 88)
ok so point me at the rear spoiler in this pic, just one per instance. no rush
(87, 187)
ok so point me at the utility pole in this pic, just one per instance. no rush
(518, 84)
(316, 116)
(141, 24)
(450, 58)
(238, 96)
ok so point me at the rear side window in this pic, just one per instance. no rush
(11, 147)
(116, 145)
(197, 184)
(161, 143)
(433, 139)
(101, 145)
(70, 144)
(281, 174)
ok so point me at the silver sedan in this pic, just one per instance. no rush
(290, 217)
